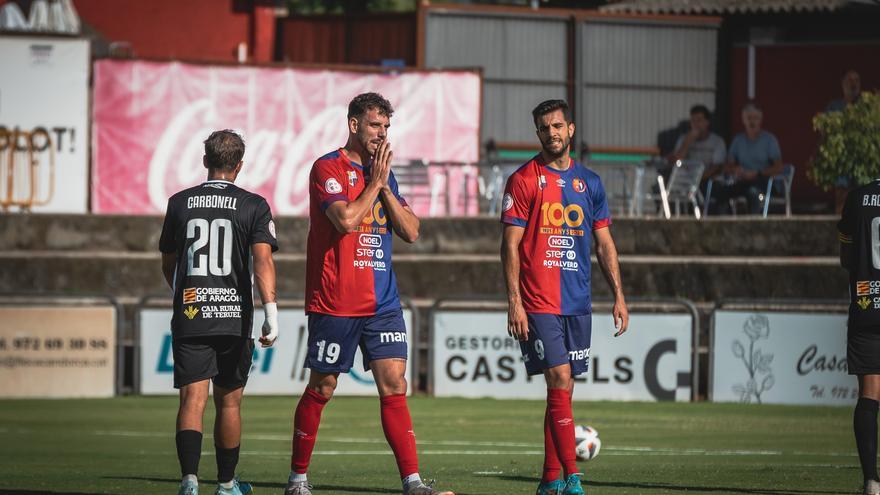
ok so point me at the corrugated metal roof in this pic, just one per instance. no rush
(715, 7)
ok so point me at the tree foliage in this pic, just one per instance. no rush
(849, 143)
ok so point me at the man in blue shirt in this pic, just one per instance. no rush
(753, 159)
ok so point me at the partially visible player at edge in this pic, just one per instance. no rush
(551, 205)
(212, 233)
(351, 292)
(860, 255)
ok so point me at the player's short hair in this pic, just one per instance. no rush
(703, 109)
(752, 106)
(548, 106)
(361, 103)
(223, 150)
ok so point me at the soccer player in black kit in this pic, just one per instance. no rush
(212, 234)
(859, 230)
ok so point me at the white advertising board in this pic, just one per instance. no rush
(474, 357)
(780, 358)
(44, 91)
(276, 371)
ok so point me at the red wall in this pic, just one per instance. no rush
(792, 84)
(208, 30)
(353, 39)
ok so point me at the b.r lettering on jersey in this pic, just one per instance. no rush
(212, 201)
(871, 200)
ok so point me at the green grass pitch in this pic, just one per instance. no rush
(126, 446)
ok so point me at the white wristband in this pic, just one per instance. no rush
(271, 311)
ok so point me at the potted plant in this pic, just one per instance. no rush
(849, 146)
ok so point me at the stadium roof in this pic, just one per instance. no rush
(720, 7)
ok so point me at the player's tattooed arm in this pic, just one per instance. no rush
(264, 271)
(606, 253)
(347, 217)
(169, 262)
(517, 322)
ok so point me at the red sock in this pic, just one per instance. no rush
(552, 467)
(305, 429)
(397, 425)
(562, 427)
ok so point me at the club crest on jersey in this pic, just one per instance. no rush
(578, 185)
(352, 178)
(333, 186)
(507, 202)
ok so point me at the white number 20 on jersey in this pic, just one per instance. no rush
(210, 235)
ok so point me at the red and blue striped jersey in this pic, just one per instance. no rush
(348, 274)
(559, 210)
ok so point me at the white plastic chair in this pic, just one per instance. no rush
(785, 178)
(684, 187)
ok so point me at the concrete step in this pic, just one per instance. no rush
(698, 278)
(798, 236)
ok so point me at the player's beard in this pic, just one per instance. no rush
(563, 150)
(370, 146)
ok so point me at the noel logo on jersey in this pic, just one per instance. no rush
(352, 178)
(507, 202)
(578, 185)
(370, 240)
(333, 186)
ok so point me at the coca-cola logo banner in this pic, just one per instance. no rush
(151, 118)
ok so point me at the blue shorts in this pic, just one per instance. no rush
(555, 340)
(333, 340)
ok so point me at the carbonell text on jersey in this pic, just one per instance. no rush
(212, 201)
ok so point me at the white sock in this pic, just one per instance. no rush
(297, 478)
(412, 478)
(191, 478)
(228, 485)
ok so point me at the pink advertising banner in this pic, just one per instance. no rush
(150, 118)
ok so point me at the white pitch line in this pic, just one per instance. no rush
(608, 450)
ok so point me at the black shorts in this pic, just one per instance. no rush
(224, 358)
(863, 351)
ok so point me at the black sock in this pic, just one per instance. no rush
(865, 428)
(227, 459)
(189, 451)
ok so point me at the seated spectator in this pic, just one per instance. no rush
(754, 158)
(701, 144)
(851, 85)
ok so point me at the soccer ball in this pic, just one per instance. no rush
(587, 443)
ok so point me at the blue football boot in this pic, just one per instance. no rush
(551, 488)
(238, 488)
(573, 485)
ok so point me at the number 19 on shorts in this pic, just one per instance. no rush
(332, 354)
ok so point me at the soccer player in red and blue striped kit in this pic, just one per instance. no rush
(551, 206)
(351, 293)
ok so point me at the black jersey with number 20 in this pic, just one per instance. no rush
(859, 227)
(211, 228)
